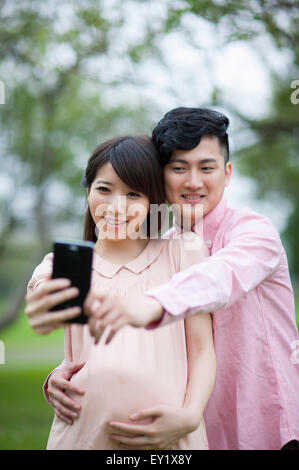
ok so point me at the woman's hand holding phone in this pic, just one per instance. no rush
(48, 294)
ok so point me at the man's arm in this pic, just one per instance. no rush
(251, 252)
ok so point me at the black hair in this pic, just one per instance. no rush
(182, 129)
(136, 162)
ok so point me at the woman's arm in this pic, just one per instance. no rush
(201, 366)
(169, 423)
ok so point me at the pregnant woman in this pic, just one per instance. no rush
(133, 371)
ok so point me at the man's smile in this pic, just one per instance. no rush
(193, 198)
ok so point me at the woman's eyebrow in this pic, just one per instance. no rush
(103, 181)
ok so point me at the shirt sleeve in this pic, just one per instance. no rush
(251, 252)
(68, 357)
(186, 250)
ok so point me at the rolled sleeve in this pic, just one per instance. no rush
(251, 252)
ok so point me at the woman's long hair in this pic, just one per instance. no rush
(135, 161)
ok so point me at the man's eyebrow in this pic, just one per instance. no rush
(204, 160)
(105, 182)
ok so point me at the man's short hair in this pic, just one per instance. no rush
(182, 129)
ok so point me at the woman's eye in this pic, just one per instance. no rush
(178, 168)
(132, 194)
(103, 189)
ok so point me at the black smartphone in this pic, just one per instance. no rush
(73, 260)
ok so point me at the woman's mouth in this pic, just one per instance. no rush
(115, 223)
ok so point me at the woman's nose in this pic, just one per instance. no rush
(118, 205)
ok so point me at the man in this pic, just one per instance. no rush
(245, 282)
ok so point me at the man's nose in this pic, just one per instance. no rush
(194, 181)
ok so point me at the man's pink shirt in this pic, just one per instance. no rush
(246, 284)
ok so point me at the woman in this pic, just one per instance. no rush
(123, 178)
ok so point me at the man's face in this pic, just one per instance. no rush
(197, 176)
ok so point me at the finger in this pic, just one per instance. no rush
(66, 385)
(49, 319)
(128, 429)
(51, 300)
(101, 309)
(47, 287)
(99, 333)
(90, 302)
(97, 326)
(120, 323)
(94, 324)
(58, 396)
(73, 368)
(135, 442)
(110, 321)
(63, 410)
(64, 418)
(146, 413)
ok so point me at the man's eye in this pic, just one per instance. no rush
(207, 168)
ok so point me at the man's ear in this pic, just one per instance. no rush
(228, 172)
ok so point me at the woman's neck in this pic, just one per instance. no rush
(120, 251)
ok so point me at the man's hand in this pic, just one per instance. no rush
(59, 382)
(167, 426)
(116, 312)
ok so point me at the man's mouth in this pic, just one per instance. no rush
(193, 198)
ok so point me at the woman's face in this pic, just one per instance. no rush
(117, 210)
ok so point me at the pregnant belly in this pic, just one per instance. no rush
(137, 370)
(113, 393)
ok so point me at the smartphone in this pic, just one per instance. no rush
(73, 260)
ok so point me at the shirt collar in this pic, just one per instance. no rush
(208, 227)
(137, 265)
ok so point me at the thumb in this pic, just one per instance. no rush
(75, 367)
(154, 411)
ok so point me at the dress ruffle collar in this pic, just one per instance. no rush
(137, 265)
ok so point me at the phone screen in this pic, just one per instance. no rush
(73, 260)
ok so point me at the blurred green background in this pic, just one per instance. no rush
(73, 75)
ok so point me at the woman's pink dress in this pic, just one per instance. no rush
(134, 371)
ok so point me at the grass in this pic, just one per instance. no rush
(25, 417)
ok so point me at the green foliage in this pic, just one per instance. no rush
(25, 417)
(272, 161)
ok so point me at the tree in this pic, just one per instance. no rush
(272, 160)
(55, 114)
(63, 64)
